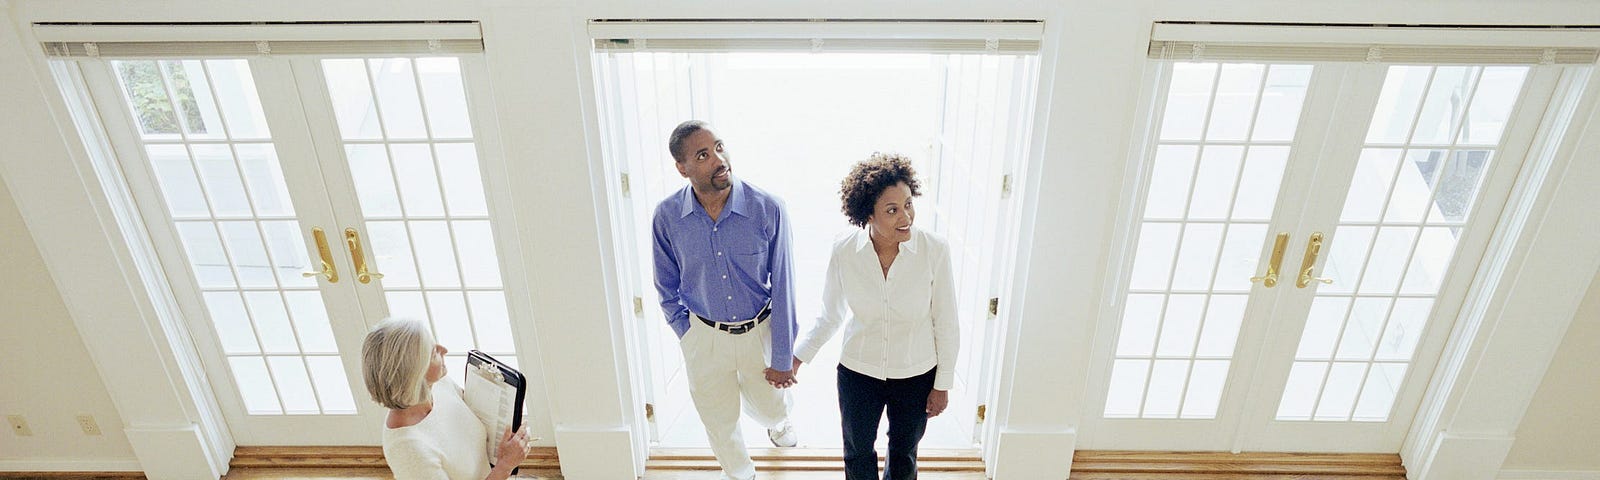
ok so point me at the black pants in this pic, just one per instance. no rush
(862, 400)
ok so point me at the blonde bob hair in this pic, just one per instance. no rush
(394, 362)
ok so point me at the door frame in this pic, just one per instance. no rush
(989, 331)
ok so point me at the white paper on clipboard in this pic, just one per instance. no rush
(493, 398)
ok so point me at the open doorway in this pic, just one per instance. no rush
(794, 123)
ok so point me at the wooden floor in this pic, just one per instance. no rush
(324, 463)
(290, 473)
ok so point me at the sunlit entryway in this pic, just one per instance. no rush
(793, 124)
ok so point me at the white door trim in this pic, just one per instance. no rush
(89, 234)
(1544, 255)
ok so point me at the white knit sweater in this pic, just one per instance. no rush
(447, 444)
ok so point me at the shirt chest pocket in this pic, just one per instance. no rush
(748, 257)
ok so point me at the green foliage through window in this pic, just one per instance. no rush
(150, 102)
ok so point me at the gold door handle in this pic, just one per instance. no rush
(328, 270)
(1313, 248)
(1271, 278)
(352, 239)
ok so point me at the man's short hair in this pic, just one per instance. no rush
(868, 179)
(394, 362)
(680, 135)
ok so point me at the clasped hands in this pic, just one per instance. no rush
(937, 399)
(783, 379)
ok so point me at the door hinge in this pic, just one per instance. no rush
(626, 187)
(994, 307)
(638, 306)
(982, 409)
(649, 412)
(1005, 186)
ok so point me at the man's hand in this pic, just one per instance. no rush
(937, 401)
(780, 379)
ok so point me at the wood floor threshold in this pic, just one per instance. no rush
(1087, 465)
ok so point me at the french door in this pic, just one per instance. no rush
(1303, 237)
(294, 201)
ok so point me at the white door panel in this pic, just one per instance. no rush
(237, 165)
(1398, 172)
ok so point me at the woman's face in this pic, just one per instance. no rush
(436, 368)
(892, 215)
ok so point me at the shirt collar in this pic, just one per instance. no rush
(864, 241)
(738, 200)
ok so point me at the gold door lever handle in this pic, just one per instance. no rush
(328, 270)
(1271, 278)
(1309, 262)
(352, 239)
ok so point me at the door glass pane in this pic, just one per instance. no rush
(1125, 395)
(327, 376)
(1207, 207)
(1205, 388)
(1166, 388)
(1340, 390)
(1378, 393)
(409, 142)
(1235, 104)
(1429, 147)
(294, 385)
(207, 144)
(1139, 324)
(1300, 392)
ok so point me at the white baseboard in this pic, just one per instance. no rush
(1520, 474)
(70, 465)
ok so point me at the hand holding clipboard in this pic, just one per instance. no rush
(494, 392)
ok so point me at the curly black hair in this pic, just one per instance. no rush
(869, 178)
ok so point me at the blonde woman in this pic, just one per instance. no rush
(893, 283)
(430, 433)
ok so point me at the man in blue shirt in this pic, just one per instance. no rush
(723, 269)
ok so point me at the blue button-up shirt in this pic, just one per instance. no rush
(729, 269)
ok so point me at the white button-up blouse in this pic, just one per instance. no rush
(901, 324)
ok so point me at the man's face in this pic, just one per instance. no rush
(705, 162)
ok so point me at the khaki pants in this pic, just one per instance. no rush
(722, 368)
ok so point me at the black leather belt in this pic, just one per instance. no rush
(741, 327)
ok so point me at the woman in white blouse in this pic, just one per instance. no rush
(893, 283)
(429, 433)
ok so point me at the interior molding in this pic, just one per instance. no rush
(173, 452)
(594, 452)
(539, 458)
(140, 351)
(1513, 321)
(1295, 465)
(79, 466)
(1459, 456)
(808, 459)
(1017, 454)
(1531, 474)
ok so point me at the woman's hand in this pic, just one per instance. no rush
(513, 449)
(937, 401)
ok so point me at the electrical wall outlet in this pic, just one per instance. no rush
(86, 422)
(19, 426)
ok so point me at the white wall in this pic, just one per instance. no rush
(1562, 428)
(45, 372)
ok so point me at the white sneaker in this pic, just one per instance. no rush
(783, 436)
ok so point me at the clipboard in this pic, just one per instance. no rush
(494, 392)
